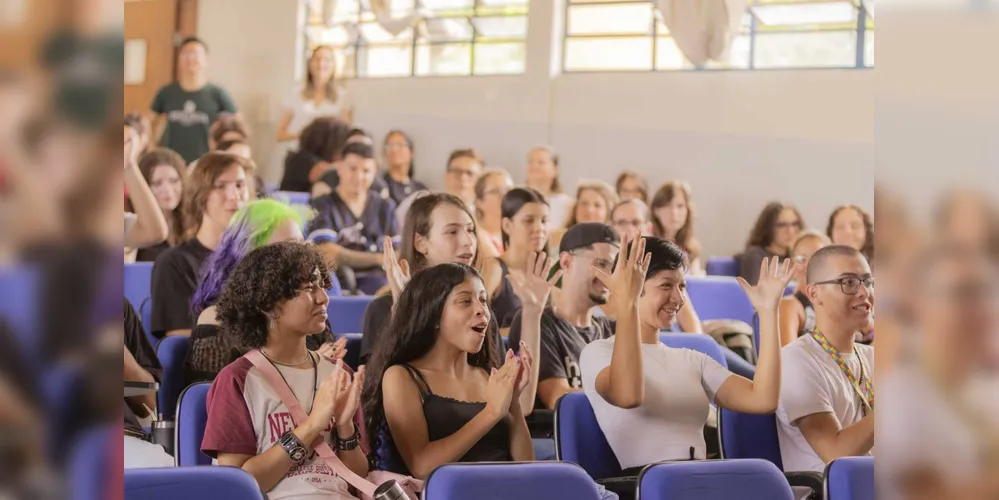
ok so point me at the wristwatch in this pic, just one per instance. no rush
(296, 451)
(350, 443)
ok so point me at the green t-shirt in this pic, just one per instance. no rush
(188, 116)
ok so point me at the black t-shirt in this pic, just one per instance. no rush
(362, 233)
(297, 166)
(561, 345)
(137, 344)
(189, 116)
(175, 278)
(150, 254)
(399, 191)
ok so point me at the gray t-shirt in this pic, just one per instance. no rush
(189, 115)
(561, 345)
(680, 385)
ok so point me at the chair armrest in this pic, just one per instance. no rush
(807, 479)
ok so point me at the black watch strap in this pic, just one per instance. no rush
(294, 448)
(350, 443)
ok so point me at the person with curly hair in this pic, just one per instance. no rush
(259, 223)
(273, 300)
(433, 359)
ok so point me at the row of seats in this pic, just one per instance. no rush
(847, 479)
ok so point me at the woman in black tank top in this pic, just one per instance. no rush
(433, 360)
(525, 232)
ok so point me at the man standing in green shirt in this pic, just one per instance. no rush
(186, 108)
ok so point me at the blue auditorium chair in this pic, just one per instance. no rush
(850, 478)
(90, 461)
(578, 438)
(696, 342)
(138, 279)
(171, 352)
(714, 480)
(346, 314)
(353, 357)
(192, 416)
(519, 481)
(191, 483)
(719, 297)
(19, 301)
(291, 197)
(722, 266)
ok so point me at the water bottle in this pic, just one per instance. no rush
(163, 433)
(390, 490)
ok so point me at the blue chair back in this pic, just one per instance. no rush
(19, 300)
(696, 342)
(353, 357)
(718, 297)
(171, 351)
(346, 314)
(522, 481)
(850, 478)
(714, 480)
(722, 266)
(291, 197)
(743, 435)
(90, 461)
(192, 416)
(138, 283)
(191, 483)
(578, 438)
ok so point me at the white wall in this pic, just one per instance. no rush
(740, 138)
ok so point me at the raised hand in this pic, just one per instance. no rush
(334, 350)
(625, 283)
(524, 375)
(349, 397)
(774, 278)
(131, 147)
(532, 288)
(502, 383)
(397, 270)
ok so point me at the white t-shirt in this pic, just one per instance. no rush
(303, 110)
(558, 209)
(680, 385)
(811, 382)
(921, 428)
(245, 416)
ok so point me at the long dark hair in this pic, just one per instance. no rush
(411, 334)
(148, 163)
(418, 221)
(868, 249)
(685, 236)
(409, 144)
(763, 231)
(514, 200)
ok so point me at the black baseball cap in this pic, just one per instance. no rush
(586, 234)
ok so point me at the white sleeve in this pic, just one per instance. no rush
(803, 391)
(595, 357)
(713, 374)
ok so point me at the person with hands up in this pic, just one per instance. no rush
(272, 301)
(436, 394)
(533, 289)
(640, 388)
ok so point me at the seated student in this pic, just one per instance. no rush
(827, 391)
(490, 189)
(399, 167)
(594, 200)
(772, 236)
(542, 176)
(216, 189)
(273, 300)
(569, 325)
(259, 223)
(319, 148)
(433, 359)
(525, 234)
(355, 219)
(672, 210)
(852, 226)
(166, 175)
(631, 186)
(630, 218)
(941, 403)
(641, 388)
(463, 169)
(141, 365)
(797, 315)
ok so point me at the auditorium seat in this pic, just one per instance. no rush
(90, 461)
(138, 278)
(714, 480)
(722, 266)
(192, 415)
(578, 438)
(518, 481)
(291, 197)
(697, 342)
(191, 483)
(850, 478)
(346, 314)
(19, 300)
(353, 357)
(171, 352)
(717, 297)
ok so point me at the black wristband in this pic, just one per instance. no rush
(294, 447)
(350, 443)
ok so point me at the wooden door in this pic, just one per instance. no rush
(150, 27)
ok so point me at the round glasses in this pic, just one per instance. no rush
(851, 284)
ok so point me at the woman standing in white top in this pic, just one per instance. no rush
(322, 96)
(640, 388)
(542, 176)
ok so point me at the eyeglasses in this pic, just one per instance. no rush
(632, 223)
(396, 146)
(851, 284)
(461, 173)
(788, 225)
(801, 259)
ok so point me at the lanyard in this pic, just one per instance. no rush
(867, 394)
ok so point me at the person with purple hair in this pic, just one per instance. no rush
(259, 223)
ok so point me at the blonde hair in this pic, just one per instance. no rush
(605, 190)
(330, 88)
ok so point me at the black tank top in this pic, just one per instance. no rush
(506, 303)
(445, 416)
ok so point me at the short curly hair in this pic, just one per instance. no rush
(266, 277)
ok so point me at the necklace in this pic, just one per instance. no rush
(308, 356)
(315, 372)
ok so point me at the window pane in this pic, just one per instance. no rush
(321, 35)
(385, 61)
(491, 3)
(445, 30)
(374, 33)
(610, 19)
(608, 53)
(822, 49)
(501, 27)
(499, 58)
(669, 57)
(869, 48)
(447, 4)
(602, 1)
(444, 59)
(805, 13)
(400, 7)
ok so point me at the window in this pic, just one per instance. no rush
(621, 35)
(460, 38)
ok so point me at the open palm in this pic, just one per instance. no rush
(774, 278)
(531, 287)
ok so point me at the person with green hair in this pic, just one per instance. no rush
(259, 223)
